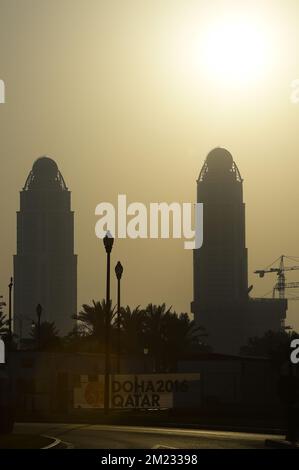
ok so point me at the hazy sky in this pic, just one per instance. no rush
(116, 92)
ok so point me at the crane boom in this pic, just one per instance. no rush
(281, 283)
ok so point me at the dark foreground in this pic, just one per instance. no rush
(94, 436)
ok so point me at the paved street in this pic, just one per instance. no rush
(87, 436)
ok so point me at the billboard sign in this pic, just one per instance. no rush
(147, 391)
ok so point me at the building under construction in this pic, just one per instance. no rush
(222, 304)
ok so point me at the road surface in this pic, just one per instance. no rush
(91, 436)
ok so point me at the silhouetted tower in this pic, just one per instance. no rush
(220, 266)
(45, 266)
(221, 302)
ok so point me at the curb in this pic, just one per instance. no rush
(281, 444)
(56, 442)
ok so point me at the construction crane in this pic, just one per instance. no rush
(281, 284)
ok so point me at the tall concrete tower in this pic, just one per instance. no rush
(221, 302)
(45, 266)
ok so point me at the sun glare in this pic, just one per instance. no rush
(233, 51)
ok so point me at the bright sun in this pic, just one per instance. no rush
(233, 51)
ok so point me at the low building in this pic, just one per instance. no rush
(44, 383)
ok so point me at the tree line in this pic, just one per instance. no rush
(155, 330)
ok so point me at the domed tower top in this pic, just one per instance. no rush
(219, 163)
(45, 175)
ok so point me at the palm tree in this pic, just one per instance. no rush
(180, 336)
(169, 335)
(155, 332)
(165, 334)
(47, 336)
(4, 324)
(132, 329)
(91, 322)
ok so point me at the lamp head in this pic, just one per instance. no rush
(119, 270)
(108, 241)
(39, 310)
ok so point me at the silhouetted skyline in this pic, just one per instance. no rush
(105, 92)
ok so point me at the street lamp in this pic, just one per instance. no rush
(108, 244)
(118, 271)
(39, 314)
(145, 352)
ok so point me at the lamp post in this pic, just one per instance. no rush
(10, 286)
(145, 352)
(118, 271)
(108, 244)
(39, 314)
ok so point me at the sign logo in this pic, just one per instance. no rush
(141, 391)
(94, 394)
